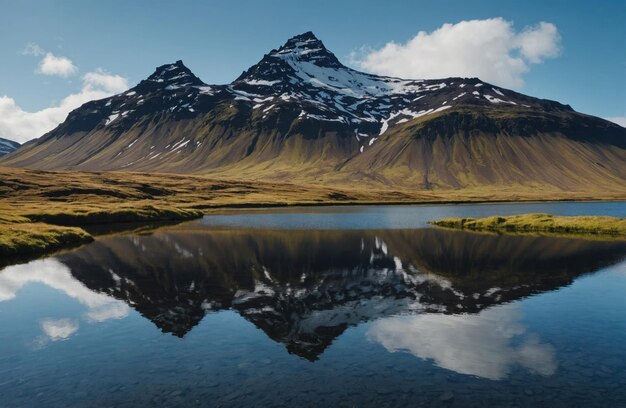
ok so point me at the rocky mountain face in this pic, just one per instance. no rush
(299, 114)
(305, 288)
(7, 146)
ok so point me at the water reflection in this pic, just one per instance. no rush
(305, 288)
(488, 344)
(58, 329)
(56, 275)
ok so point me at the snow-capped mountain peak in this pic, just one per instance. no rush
(304, 76)
(307, 47)
(301, 83)
(304, 61)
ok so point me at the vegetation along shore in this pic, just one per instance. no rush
(541, 223)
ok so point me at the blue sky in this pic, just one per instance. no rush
(218, 40)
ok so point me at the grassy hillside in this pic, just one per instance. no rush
(464, 149)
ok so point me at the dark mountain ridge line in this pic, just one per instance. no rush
(152, 83)
(300, 115)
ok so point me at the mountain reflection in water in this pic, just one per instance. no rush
(305, 288)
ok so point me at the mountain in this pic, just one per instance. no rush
(305, 288)
(300, 115)
(7, 146)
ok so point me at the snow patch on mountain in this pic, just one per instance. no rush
(301, 76)
(7, 146)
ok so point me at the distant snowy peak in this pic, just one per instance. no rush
(7, 146)
(304, 61)
(302, 74)
(307, 47)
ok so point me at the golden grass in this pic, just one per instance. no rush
(70, 198)
(540, 223)
(22, 239)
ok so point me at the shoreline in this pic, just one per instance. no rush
(270, 206)
(545, 224)
(126, 200)
(53, 233)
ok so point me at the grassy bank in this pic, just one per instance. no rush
(21, 237)
(36, 221)
(541, 223)
(36, 205)
(42, 233)
(81, 217)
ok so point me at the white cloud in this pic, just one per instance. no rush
(53, 65)
(22, 126)
(33, 49)
(539, 42)
(488, 345)
(102, 80)
(490, 49)
(620, 120)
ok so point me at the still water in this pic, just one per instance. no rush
(341, 306)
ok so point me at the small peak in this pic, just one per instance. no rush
(175, 74)
(304, 37)
(307, 47)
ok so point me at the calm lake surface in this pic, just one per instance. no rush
(321, 307)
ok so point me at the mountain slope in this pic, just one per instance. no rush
(7, 146)
(300, 115)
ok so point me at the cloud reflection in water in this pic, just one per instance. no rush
(54, 274)
(489, 344)
(58, 329)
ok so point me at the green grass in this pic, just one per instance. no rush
(540, 223)
(24, 239)
(32, 234)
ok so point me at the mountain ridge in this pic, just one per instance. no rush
(8, 146)
(301, 114)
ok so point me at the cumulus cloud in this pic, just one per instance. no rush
(102, 80)
(53, 65)
(50, 64)
(490, 49)
(22, 126)
(620, 120)
(489, 345)
(539, 42)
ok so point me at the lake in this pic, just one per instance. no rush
(321, 307)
